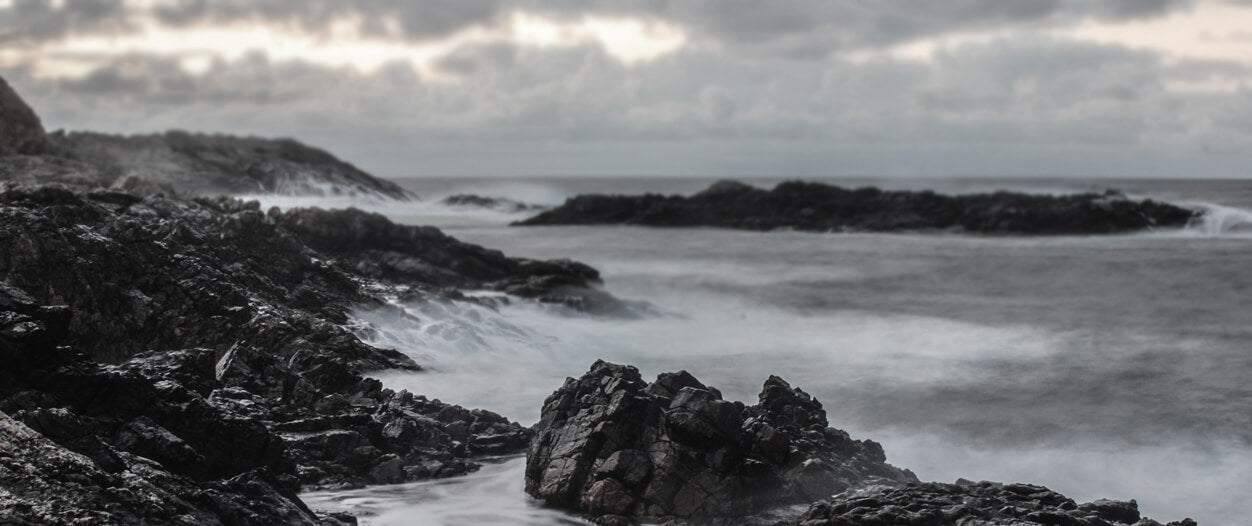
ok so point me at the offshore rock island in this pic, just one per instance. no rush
(817, 207)
(170, 355)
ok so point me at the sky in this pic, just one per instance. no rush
(1108, 88)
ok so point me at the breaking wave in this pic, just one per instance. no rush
(1218, 220)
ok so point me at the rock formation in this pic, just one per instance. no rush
(616, 448)
(20, 129)
(970, 503)
(824, 208)
(187, 163)
(200, 164)
(200, 341)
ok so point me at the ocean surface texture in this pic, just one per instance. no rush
(1101, 367)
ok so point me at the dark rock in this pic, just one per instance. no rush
(613, 446)
(184, 338)
(934, 504)
(20, 129)
(41, 482)
(499, 204)
(825, 208)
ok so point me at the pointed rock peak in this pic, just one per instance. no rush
(21, 132)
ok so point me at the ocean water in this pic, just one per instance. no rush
(1101, 367)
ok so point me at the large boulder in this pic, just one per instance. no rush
(616, 448)
(20, 129)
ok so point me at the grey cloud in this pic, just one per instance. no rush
(800, 29)
(28, 21)
(471, 59)
(1007, 106)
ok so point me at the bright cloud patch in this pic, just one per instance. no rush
(1218, 33)
(348, 44)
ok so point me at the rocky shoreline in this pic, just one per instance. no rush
(817, 207)
(206, 339)
(173, 359)
(620, 451)
(171, 356)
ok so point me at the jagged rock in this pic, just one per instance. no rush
(43, 483)
(613, 447)
(825, 208)
(969, 504)
(20, 129)
(202, 340)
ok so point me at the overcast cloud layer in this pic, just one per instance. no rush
(653, 87)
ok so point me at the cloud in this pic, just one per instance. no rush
(699, 86)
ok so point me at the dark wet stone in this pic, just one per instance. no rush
(969, 503)
(612, 446)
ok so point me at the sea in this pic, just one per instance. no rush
(1099, 366)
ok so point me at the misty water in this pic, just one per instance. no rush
(1101, 367)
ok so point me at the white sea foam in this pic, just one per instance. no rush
(491, 497)
(984, 358)
(1220, 220)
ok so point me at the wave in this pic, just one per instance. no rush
(1219, 220)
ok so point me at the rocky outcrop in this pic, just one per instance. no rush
(372, 246)
(499, 204)
(20, 129)
(205, 347)
(201, 164)
(44, 483)
(619, 449)
(970, 503)
(825, 208)
(87, 443)
(190, 164)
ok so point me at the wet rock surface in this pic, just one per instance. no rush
(618, 449)
(972, 504)
(207, 343)
(825, 208)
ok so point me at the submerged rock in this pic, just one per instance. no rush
(616, 448)
(969, 503)
(825, 208)
(499, 204)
